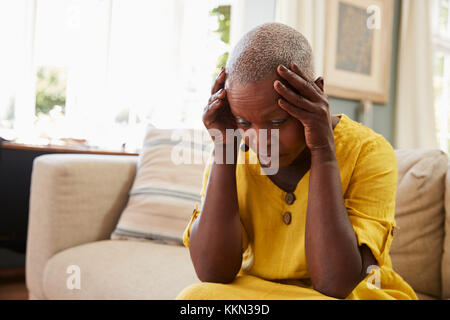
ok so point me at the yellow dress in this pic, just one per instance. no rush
(274, 263)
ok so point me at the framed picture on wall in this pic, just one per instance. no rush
(358, 45)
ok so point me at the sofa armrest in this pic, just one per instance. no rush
(446, 254)
(74, 199)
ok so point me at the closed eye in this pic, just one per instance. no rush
(275, 123)
(243, 123)
(278, 123)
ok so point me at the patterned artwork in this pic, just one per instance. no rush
(355, 40)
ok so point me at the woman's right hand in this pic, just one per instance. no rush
(217, 116)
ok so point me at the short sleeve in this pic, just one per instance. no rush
(198, 208)
(370, 197)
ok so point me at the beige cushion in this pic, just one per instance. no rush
(167, 185)
(446, 254)
(416, 250)
(120, 270)
(422, 296)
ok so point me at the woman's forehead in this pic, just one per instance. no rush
(264, 83)
(254, 97)
(256, 100)
(257, 110)
(260, 115)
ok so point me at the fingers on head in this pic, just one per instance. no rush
(212, 110)
(212, 107)
(220, 94)
(220, 81)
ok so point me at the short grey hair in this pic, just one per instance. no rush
(260, 51)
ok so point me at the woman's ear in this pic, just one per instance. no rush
(319, 83)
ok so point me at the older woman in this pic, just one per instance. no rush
(319, 228)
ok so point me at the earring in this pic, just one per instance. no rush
(244, 147)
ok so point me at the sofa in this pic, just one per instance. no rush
(77, 199)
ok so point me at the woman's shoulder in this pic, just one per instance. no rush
(355, 136)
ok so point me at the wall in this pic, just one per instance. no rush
(383, 115)
(248, 14)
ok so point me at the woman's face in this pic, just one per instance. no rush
(255, 106)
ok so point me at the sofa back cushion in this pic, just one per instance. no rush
(446, 253)
(416, 250)
(166, 187)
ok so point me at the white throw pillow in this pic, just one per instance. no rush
(167, 185)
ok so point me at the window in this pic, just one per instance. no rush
(101, 70)
(12, 14)
(441, 39)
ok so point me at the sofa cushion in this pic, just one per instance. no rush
(416, 250)
(422, 296)
(167, 185)
(112, 269)
(446, 254)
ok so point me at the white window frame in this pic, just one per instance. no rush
(441, 45)
(25, 97)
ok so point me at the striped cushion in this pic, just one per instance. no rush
(167, 185)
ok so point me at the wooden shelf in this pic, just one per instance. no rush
(56, 148)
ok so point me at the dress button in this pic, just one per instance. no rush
(290, 198)
(287, 218)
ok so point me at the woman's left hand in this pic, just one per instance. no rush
(309, 105)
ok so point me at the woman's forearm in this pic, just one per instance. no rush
(215, 240)
(332, 252)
